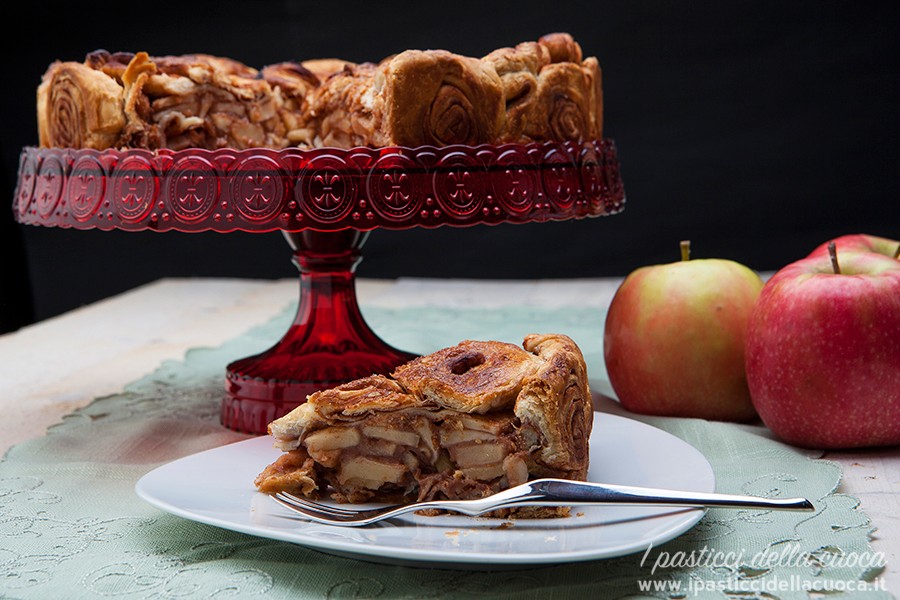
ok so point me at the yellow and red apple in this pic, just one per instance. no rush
(823, 351)
(675, 335)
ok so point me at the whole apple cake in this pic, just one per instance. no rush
(543, 90)
(463, 422)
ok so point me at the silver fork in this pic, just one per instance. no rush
(540, 492)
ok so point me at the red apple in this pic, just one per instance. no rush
(674, 339)
(823, 352)
(861, 242)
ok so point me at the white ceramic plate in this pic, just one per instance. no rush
(216, 487)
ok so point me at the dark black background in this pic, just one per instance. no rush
(756, 129)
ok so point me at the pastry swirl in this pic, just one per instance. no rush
(551, 93)
(78, 107)
(415, 98)
(438, 98)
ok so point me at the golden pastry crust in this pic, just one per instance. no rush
(414, 98)
(463, 422)
(436, 97)
(350, 401)
(561, 47)
(557, 402)
(79, 107)
(550, 92)
(471, 377)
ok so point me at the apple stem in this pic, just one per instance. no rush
(897, 252)
(685, 250)
(832, 252)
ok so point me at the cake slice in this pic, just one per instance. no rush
(463, 422)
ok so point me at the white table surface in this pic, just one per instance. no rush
(54, 367)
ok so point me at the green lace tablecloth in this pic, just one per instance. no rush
(71, 526)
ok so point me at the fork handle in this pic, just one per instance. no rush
(556, 491)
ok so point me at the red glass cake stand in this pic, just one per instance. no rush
(325, 201)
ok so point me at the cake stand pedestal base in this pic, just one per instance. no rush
(327, 344)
